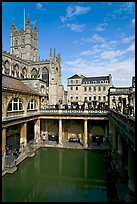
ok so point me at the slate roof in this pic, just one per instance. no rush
(13, 84)
(97, 79)
(74, 76)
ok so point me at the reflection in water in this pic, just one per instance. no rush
(58, 175)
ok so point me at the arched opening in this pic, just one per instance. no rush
(45, 75)
(7, 67)
(24, 73)
(42, 89)
(34, 73)
(32, 105)
(15, 105)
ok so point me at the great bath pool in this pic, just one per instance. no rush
(58, 175)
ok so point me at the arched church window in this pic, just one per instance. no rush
(24, 72)
(42, 89)
(16, 69)
(32, 104)
(7, 68)
(34, 73)
(15, 105)
(45, 75)
(16, 41)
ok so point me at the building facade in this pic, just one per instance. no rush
(22, 62)
(88, 89)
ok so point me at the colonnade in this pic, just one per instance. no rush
(118, 153)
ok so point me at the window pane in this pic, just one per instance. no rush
(15, 99)
(10, 106)
(20, 106)
(15, 107)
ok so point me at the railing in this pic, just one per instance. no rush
(126, 124)
(14, 113)
(72, 111)
(128, 120)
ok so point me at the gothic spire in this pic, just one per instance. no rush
(54, 54)
(28, 23)
(35, 27)
(50, 53)
(12, 25)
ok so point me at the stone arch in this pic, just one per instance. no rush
(42, 89)
(24, 73)
(45, 75)
(34, 73)
(32, 104)
(16, 70)
(97, 130)
(19, 104)
(7, 67)
(53, 129)
(74, 130)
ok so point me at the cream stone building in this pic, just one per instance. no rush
(43, 76)
(89, 89)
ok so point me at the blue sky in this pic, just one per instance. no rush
(94, 38)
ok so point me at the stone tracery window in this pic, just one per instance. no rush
(7, 68)
(42, 89)
(45, 75)
(24, 72)
(34, 73)
(15, 105)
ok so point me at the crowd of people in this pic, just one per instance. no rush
(84, 106)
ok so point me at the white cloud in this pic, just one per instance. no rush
(131, 48)
(118, 69)
(76, 10)
(101, 27)
(97, 38)
(63, 19)
(111, 54)
(76, 27)
(133, 21)
(128, 39)
(40, 6)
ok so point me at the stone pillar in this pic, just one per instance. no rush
(3, 141)
(37, 131)
(120, 153)
(60, 132)
(106, 130)
(23, 134)
(3, 147)
(131, 175)
(85, 133)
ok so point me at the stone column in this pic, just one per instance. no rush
(37, 131)
(60, 132)
(106, 130)
(85, 133)
(131, 175)
(120, 153)
(23, 134)
(3, 147)
(3, 141)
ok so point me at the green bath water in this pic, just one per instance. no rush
(58, 175)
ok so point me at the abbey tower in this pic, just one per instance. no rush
(44, 76)
(24, 43)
